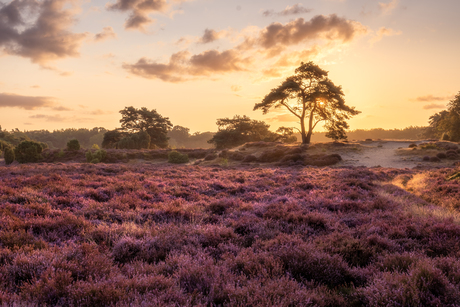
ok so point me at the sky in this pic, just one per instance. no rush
(76, 64)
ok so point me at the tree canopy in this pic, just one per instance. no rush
(446, 124)
(140, 128)
(238, 130)
(313, 98)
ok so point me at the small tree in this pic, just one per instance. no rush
(28, 151)
(238, 130)
(177, 158)
(111, 138)
(8, 155)
(73, 145)
(311, 97)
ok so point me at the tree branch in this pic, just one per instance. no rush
(290, 109)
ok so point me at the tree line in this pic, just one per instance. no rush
(308, 94)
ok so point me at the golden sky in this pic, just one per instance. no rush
(71, 64)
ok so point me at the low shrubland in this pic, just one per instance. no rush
(183, 235)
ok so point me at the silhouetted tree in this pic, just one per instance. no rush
(313, 98)
(180, 135)
(446, 124)
(286, 135)
(136, 120)
(238, 130)
(111, 138)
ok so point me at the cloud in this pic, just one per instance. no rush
(182, 64)
(107, 33)
(210, 36)
(433, 106)
(47, 37)
(61, 108)
(24, 102)
(387, 8)
(278, 46)
(296, 9)
(330, 27)
(235, 88)
(384, 32)
(99, 112)
(139, 11)
(431, 98)
(50, 118)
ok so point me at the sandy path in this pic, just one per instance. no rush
(384, 156)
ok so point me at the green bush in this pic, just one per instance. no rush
(9, 155)
(28, 151)
(96, 157)
(61, 153)
(73, 145)
(177, 157)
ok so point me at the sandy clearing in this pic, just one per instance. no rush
(381, 153)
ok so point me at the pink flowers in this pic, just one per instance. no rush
(87, 235)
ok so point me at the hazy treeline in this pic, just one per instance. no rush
(59, 138)
(180, 137)
(408, 133)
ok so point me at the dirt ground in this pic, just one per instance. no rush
(390, 153)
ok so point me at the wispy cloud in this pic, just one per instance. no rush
(432, 98)
(387, 8)
(384, 32)
(25, 102)
(106, 34)
(139, 11)
(295, 9)
(210, 36)
(434, 106)
(50, 118)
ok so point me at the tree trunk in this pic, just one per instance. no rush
(308, 137)
(303, 132)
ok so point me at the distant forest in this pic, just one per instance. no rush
(180, 137)
(408, 133)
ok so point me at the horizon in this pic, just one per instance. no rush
(195, 61)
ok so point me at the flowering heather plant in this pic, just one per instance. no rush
(184, 235)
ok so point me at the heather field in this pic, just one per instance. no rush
(81, 234)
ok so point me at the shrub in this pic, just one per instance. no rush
(426, 158)
(95, 146)
(413, 145)
(73, 145)
(272, 155)
(441, 155)
(9, 155)
(28, 151)
(61, 153)
(177, 157)
(250, 158)
(435, 159)
(96, 157)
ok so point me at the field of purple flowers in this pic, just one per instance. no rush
(162, 235)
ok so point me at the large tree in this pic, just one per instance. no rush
(313, 98)
(238, 130)
(143, 120)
